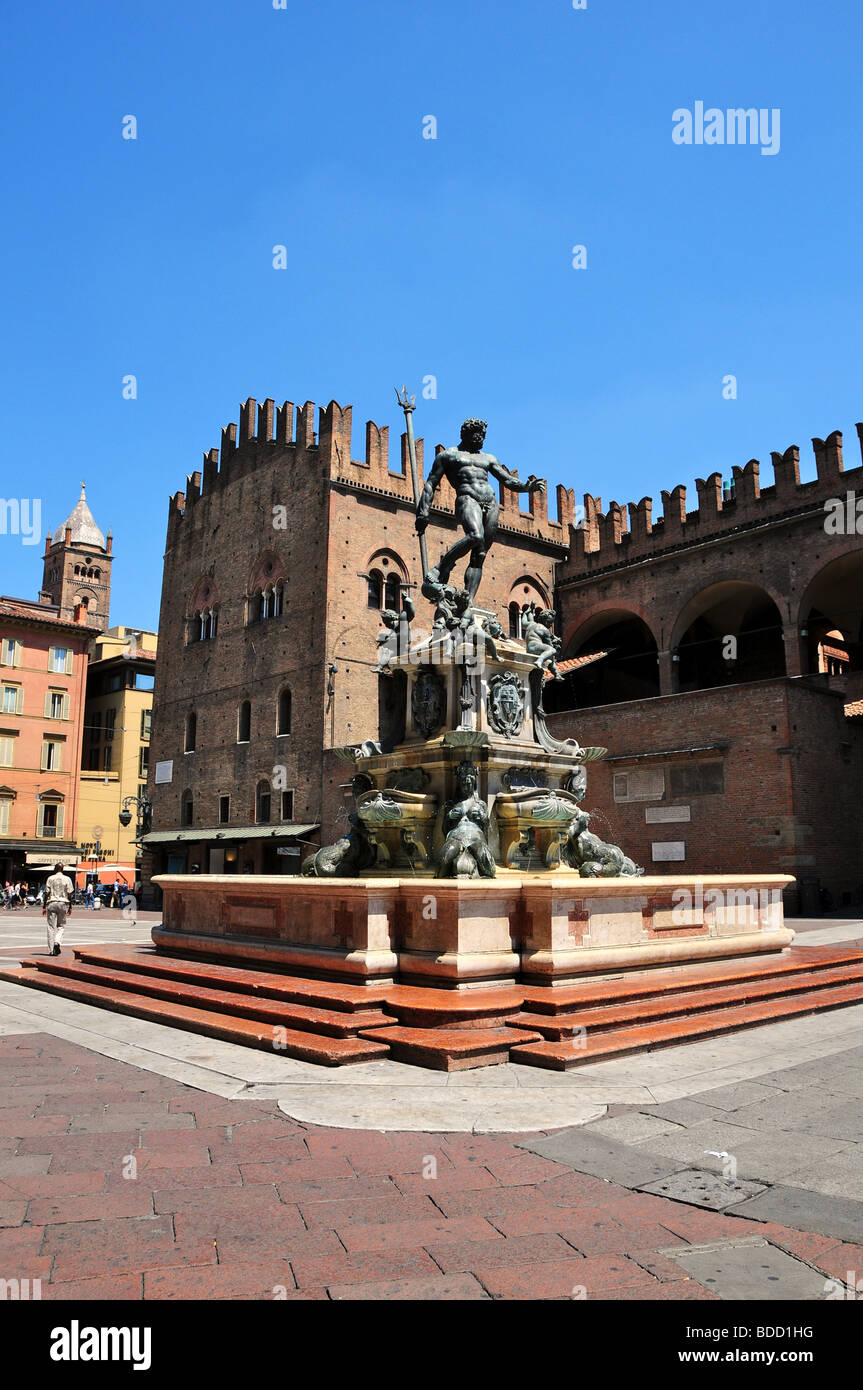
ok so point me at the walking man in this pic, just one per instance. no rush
(59, 889)
(91, 895)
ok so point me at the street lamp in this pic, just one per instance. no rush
(144, 812)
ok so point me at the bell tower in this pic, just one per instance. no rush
(77, 568)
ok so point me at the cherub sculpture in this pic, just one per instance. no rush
(394, 638)
(540, 641)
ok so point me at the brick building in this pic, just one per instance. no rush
(728, 692)
(279, 557)
(77, 568)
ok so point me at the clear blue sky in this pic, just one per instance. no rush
(409, 257)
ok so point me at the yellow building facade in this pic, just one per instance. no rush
(116, 751)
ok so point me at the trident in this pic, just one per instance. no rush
(408, 405)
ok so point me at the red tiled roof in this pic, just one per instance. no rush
(36, 613)
(574, 663)
(854, 709)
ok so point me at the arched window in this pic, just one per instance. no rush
(376, 588)
(77, 569)
(191, 732)
(187, 809)
(393, 593)
(263, 799)
(203, 624)
(244, 722)
(514, 620)
(283, 724)
(266, 603)
(97, 574)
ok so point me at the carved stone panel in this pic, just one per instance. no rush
(428, 702)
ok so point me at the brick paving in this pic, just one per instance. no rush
(116, 1183)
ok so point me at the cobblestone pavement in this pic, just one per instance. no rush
(117, 1183)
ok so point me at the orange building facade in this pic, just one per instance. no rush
(43, 677)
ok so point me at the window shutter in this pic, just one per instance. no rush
(45, 747)
(19, 700)
(19, 647)
(51, 651)
(69, 661)
(47, 703)
(40, 819)
(60, 814)
(66, 706)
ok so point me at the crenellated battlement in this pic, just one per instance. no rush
(265, 428)
(627, 533)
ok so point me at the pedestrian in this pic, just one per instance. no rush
(91, 896)
(59, 896)
(115, 893)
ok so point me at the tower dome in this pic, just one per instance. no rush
(84, 528)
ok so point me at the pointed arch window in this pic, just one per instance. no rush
(263, 803)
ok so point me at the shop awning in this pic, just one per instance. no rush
(228, 834)
(47, 861)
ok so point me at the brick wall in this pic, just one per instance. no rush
(791, 764)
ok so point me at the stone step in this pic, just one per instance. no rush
(673, 1005)
(415, 1006)
(279, 1013)
(484, 1006)
(450, 1049)
(306, 1047)
(566, 1053)
(243, 980)
(557, 999)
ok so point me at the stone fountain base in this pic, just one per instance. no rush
(472, 933)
